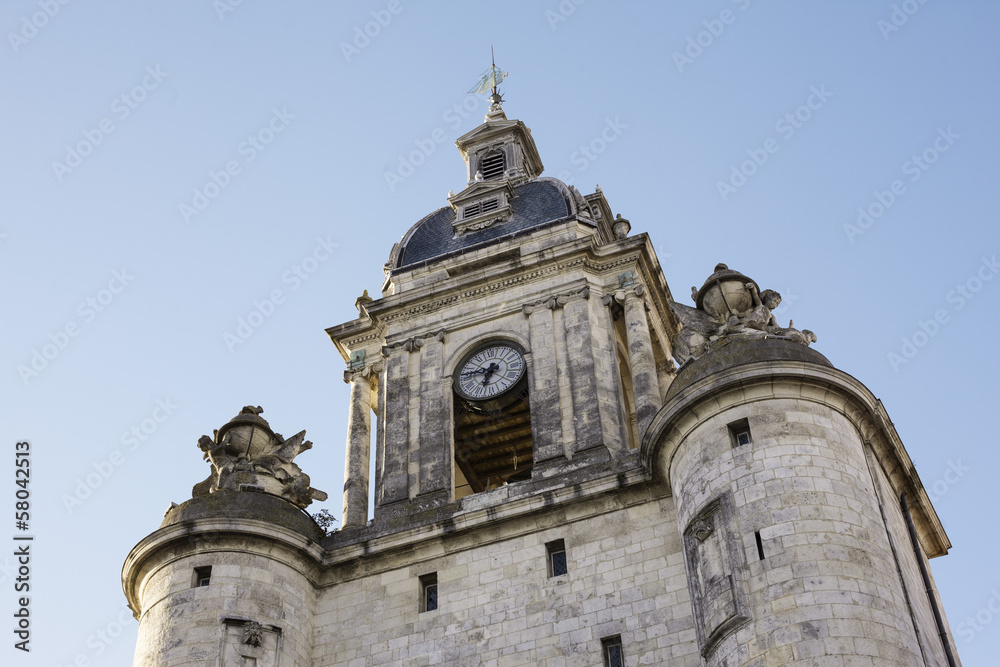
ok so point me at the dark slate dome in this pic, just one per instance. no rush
(535, 204)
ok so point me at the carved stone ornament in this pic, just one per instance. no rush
(253, 634)
(729, 305)
(701, 528)
(247, 455)
(367, 371)
(557, 301)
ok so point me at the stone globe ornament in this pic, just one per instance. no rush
(729, 305)
(726, 293)
(246, 455)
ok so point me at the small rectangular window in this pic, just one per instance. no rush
(612, 649)
(202, 576)
(472, 209)
(739, 432)
(760, 545)
(429, 592)
(556, 551)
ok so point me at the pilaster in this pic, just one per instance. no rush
(546, 417)
(435, 424)
(396, 432)
(358, 454)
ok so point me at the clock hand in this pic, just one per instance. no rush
(489, 371)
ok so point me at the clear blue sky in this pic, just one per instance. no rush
(831, 102)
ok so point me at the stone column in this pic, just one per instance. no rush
(645, 383)
(565, 384)
(583, 380)
(435, 425)
(396, 432)
(546, 417)
(358, 454)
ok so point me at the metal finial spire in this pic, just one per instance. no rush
(490, 79)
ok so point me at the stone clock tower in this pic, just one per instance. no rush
(571, 468)
(517, 268)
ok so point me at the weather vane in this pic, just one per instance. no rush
(491, 78)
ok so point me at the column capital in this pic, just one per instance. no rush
(621, 296)
(363, 373)
(555, 301)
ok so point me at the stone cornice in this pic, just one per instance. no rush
(496, 520)
(588, 255)
(209, 535)
(769, 380)
(350, 554)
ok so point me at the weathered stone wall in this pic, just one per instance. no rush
(930, 640)
(499, 606)
(183, 625)
(556, 315)
(828, 584)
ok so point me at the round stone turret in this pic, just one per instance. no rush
(772, 457)
(228, 578)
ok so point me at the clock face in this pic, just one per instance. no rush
(489, 372)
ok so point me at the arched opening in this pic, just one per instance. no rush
(492, 419)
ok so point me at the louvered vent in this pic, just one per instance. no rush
(493, 166)
(480, 207)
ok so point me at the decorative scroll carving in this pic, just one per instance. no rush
(415, 343)
(367, 371)
(729, 305)
(247, 455)
(556, 301)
